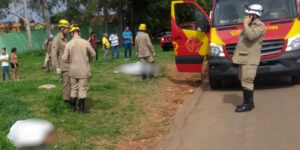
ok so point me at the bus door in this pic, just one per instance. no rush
(190, 35)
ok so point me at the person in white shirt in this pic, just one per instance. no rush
(5, 66)
(114, 40)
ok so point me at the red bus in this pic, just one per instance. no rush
(214, 38)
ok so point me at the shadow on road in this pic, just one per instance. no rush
(232, 99)
(260, 84)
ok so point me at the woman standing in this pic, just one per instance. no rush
(93, 41)
(14, 63)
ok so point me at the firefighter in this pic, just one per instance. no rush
(78, 52)
(47, 45)
(248, 52)
(144, 49)
(57, 50)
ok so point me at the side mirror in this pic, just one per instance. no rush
(203, 25)
(206, 27)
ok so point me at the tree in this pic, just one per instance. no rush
(155, 13)
(25, 18)
(105, 6)
(206, 4)
(92, 6)
(43, 7)
(46, 16)
(81, 11)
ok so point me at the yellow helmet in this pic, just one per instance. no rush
(143, 27)
(74, 28)
(63, 23)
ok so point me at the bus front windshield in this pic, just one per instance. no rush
(229, 12)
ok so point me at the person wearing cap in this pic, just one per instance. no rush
(78, 53)
(57, 50)
(106, 46)
(248, 53)
(144, 49)
(47, 46)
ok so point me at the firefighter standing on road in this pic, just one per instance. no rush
(144, 49)
(248, 53)
(78, 52)
(57, 50)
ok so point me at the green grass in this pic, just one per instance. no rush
(113, 99)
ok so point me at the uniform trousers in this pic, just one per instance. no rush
(79, 87)
(66, 85)
(247, 75)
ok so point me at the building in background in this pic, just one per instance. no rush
(19, 27)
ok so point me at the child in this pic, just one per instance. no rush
(14, 62)
(5, 66)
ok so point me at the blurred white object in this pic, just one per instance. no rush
(30, 133)
(47, 86)
(138, 68)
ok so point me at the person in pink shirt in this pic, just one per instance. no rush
(93, 41)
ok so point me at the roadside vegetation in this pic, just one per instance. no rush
(114, 101)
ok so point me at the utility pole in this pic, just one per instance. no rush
(25, 18)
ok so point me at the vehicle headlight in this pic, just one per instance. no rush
(162, 39)
(216, 50)
(293, 43)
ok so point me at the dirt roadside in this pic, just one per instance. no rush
(175, 91)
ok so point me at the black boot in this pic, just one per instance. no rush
(144, 76)
(73, 104)
(248, 103)
(82, 108)
(244, 96)
(250, 95)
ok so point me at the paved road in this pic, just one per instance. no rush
(209, 122)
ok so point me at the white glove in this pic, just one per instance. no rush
(58, 71)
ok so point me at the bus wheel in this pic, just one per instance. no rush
(296, 79)
(214, 84)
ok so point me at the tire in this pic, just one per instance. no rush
(214, 84)
(296, 79)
